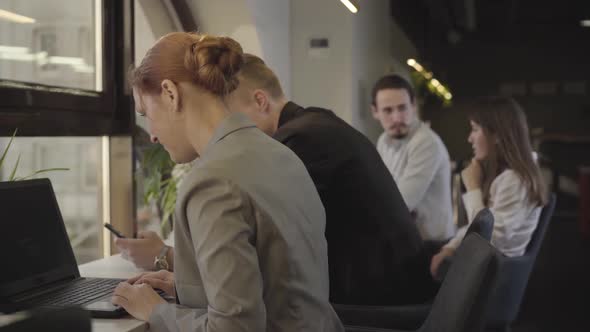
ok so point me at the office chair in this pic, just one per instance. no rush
(67, 319)
(514, 276)
(465, 294)
(409, 316)
(505, 303)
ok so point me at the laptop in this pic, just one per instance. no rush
(39, 269)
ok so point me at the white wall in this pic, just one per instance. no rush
(323, 81)
(379, 47)
(363, 47)
(272, 20)
(260, 26)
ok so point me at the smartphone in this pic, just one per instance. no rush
(114, 230)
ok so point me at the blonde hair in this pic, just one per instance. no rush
(255, 71)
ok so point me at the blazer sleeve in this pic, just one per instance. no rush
(223, 235)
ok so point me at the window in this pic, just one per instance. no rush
(54, 43)
(78, 190)
(63, 67)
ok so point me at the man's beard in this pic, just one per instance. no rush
(400, 132)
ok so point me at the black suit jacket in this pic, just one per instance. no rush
(369, 230)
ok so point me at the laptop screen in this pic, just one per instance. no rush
(34, 247)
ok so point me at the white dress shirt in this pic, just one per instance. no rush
(515, 218)
(421, 167)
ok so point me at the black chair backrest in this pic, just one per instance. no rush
(464, 295)
(515, 273)
(482, 224)
(67, 319)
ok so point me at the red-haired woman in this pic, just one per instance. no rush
(250, 252)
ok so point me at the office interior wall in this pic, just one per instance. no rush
(322, 77)
(362, 47)
(379, 47)
(260, 26)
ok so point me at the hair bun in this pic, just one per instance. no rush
(214, 62)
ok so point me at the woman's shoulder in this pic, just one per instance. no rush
(508, 180)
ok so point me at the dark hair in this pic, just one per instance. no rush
(209, 62)
(505, 127)
(256, 71)
(392, 81)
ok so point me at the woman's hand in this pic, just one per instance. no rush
(472, 175)
(162, 279)
(438, 259)
(141, 250)
(138, 300)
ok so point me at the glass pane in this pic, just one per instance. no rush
(51, 42)
(78, 189)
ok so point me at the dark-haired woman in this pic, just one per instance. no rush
(250, 252)
(502, 176)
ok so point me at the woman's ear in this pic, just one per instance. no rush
(170, 95)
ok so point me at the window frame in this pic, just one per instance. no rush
(42, 110)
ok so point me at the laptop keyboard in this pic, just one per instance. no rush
(81, 292)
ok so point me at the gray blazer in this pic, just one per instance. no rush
(250, 251)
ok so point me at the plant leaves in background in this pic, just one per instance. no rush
(7, 148)
(13, 174)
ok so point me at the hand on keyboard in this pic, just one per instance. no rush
(162, 279)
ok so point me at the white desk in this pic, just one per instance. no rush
(113, 267)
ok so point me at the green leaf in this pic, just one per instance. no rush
(12, 175)
(7, 148)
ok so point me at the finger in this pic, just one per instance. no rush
(121, 243)
(123, 289)
(145, 234)
(120, 301)
(162, 274)
(154, 283)
(133, 280)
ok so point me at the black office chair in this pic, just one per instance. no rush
(463, 299)
(514, 276)
(505, 304)
(482, 224)
(409, 316)
(67, 319)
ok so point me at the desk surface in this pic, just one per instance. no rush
(113, 267)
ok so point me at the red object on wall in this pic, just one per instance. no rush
(584, 216)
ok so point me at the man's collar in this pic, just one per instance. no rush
(234, 122)
(288, 112)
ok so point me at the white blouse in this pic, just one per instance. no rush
(515, 218)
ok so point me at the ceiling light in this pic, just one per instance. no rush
(585, 23)
(448, 96)
(411, 62)
(10, 16)
(350, 5)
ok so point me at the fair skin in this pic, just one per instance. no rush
(142, 250)
(472, 179)
(183, 118)
(262, 108)
(395, 110)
